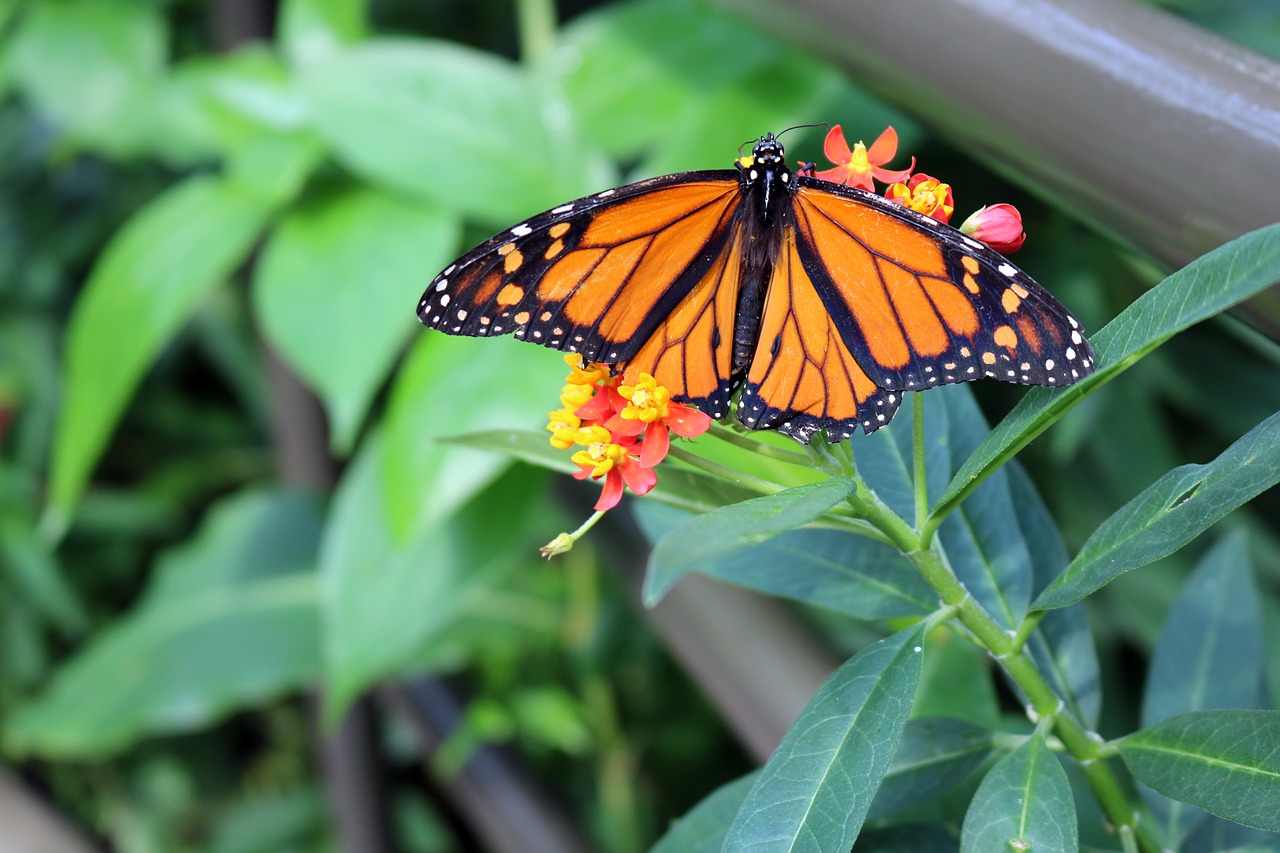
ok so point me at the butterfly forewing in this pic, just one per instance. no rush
(595, 276)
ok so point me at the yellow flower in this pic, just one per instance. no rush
(647, 400)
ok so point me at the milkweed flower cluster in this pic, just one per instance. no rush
(622, 432)
(997, 225)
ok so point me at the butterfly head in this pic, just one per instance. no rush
(765, 166)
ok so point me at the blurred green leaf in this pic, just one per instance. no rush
(450, 124)
(1024, 803)
(935, 754)
(145, 285)
(835, 569)
(701, 69)
(1225, 762)
(702, 829)
(1208, 285)
(272, 821)
(275, 165)
(310, 29)
(29, 566)
(1210, 652)
(228, 620)
(451, 386)
(92, 67)
(731, 528)
(1170, 513)
(815, 789)
(335, 287)
(385, 599)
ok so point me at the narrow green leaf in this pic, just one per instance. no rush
(449, 123)
(1208, 285)
(936, 754)
(331, 292)
(834, 569)
(732, 528)
(1225, 762)
(146, 284)
(29, 567)
(1170, 513)
(816, 788)
(229, 620)
(702, 829)
(1023, 804)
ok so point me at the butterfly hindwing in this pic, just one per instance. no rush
(595, 276)
(803, 377)
(921, 304)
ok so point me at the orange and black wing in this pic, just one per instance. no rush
(644, 276)
(920, 304)
(803, 377)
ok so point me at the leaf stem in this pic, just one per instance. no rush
(761, 448)
(757, 484)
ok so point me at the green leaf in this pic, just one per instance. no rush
(1170, 513)
(835, 569)
(1208, 285)
(450, 124)
(146, 284)
(1062, 644)
(1210, 652)
(816, 788)
(449, 386)
(956, 681)
(228, 620)
(386, 599)
(702, 829)
(732, 528)
(1225, 762)
(310, 29)
(335, 287)
(936, 753)
(91, 67)
(1024, 803)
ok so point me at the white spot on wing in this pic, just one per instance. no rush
(1007, 270)
(522, 230)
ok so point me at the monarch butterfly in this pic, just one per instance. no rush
(821, 303)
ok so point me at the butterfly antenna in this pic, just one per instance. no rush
(825, 124)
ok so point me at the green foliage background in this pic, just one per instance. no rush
(177, 213)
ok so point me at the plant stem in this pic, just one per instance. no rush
(756, 484)
(536, 20)
(1007, 648)
(760, 448)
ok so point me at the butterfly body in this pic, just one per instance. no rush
(820, 303)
